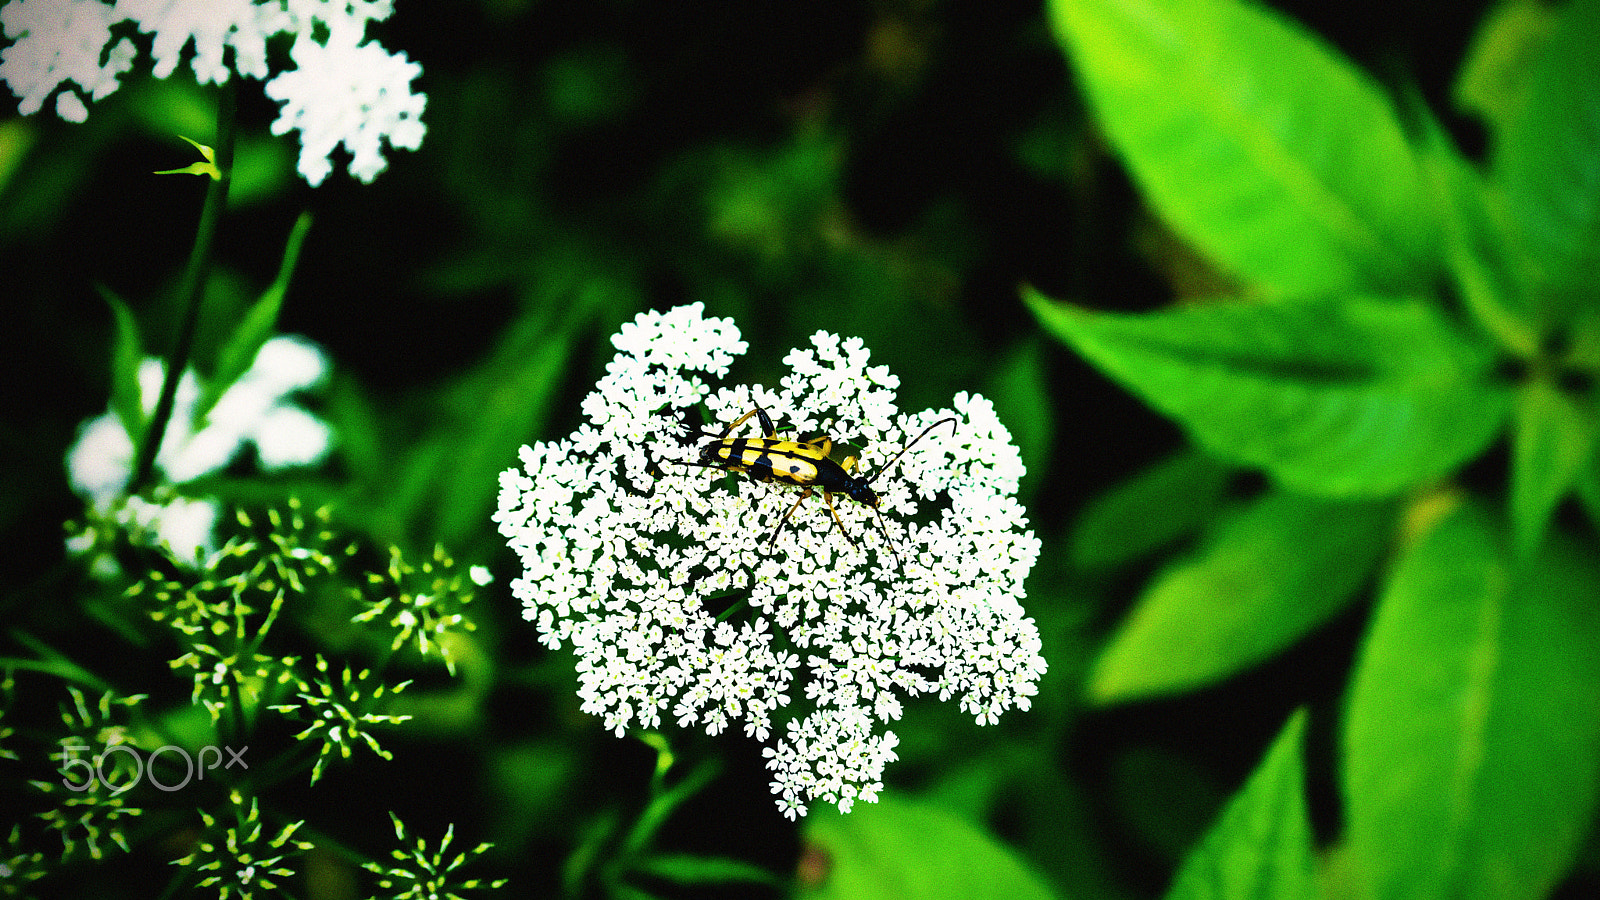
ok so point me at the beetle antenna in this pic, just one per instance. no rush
(913, 443)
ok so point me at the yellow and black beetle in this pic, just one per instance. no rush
(805, 464)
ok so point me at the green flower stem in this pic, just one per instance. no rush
(239, 719)
(191, 289)
(52, 663)
(295, 761)
(662, 803)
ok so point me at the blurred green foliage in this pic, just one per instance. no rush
(1375, 499)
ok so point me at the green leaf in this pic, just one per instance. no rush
(913, 851)
(207, 168)
(1016, 384)
(257, 326)
(688, 869)
(1588, 490)
(1267, 150)
(1554, 440)
(1358, 396)
(126, 356)
(1266, 578)
(1491, 278)
(1148, 511)
(495, 410)
(1261, 846)
(1492, 83)
(1545, 158)
(1472, 740)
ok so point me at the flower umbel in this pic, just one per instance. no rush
(94, 773)
(339, 710)
(345, 90)
(239, 859)
(19, 868)
(659, 575)
(425, 603)
(224, 608)
(424, 875)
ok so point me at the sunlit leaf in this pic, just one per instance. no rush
(207, 167)
(913, 851)
(126, 355)
(1358, 396)
(1493, 81)
(1266, 578)
(1472, 741)
(258, 325)
(688, 869)
(1546, 161)
(1491, 276)
(1267, 150)
(1554, 440)
(1260, 849)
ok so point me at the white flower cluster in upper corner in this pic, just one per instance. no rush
(659, 576)
(346, 90)
(256, 410)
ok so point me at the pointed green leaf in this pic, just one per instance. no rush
(207, 168)
(1358, 396)
(914, 851)
(512, 391)
(1260, 849)
(1266, 578)
(1017, 385)
(126, 357)
(1491, 276)
(1472, 740)
(1148, 511)
(1267, 150)
(257, 326)
(1545, 158)
(1554, 440)
(1492, 83)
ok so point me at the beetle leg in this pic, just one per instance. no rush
(766, 423)
(773, 541)
(885, 532)
(767, 430)
(828, 499)
(761, 415)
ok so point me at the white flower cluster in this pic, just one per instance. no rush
(346, 90)
(256, 409)
(659, 575)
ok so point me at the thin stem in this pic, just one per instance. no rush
(663, 801)
(191, 290)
